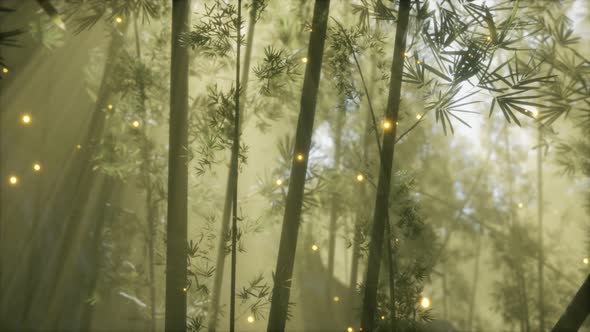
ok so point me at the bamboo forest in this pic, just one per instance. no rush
(295, 165)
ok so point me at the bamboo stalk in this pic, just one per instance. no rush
(227, 208)
(235, 155)
(386, 162)
(540, 225)
(176, 228)
(288, 243)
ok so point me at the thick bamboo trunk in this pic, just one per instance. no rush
(176, 228)
(292, 218)
(227, 207)
(384, 183)
(577, 311)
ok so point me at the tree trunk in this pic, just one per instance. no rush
(235, 156)
(384, 184)
(176, 228)
(227, 207)
(88, 308)
(540, 223)
(288, 243)
(149, 203)
(445, 294)
(518, 269)
(475, 281)
(577, 311)
(390, 251)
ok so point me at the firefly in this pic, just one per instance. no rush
(336, 299)
(13, 180)
(349, 329)
(425, 303)
(135, 124)
(279, 182)
(304, 60)
(26, 119)
(386, 124)
(300, 156)
(5, 70)
(110, 106)
(586, 260)
(250, 319)
(118, 20)
(314, 247)
(520, 205)
(360, 178)
(418, 116)
(36, 167)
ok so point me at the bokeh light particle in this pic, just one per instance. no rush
(13, 180)
(26, 119)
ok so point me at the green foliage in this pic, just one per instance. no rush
(7, 37)
(276, 192)
(47, 33)
(215, 34)
(276, 71)
(84, 14)
(212, 131)
(257, 294)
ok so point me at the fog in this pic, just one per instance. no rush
(400, 165)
